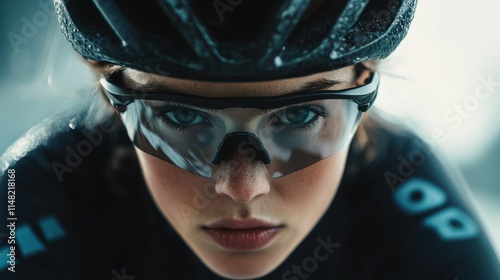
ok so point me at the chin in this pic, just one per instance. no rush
(231, 271)
(243, 265)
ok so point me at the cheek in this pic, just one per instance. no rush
(170, 187)
(308, 193)
(298, 199)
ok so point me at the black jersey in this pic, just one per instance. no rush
(79, 209)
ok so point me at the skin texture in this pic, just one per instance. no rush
(295, 202)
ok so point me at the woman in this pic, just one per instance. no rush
(236, 145)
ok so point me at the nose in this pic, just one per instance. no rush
(241, 173)
(243, 184)
(243, 141)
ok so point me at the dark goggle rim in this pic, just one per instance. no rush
(363, 95)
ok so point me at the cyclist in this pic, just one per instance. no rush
(235, 139)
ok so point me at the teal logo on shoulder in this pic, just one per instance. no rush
(418, 196)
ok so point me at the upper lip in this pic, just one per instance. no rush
(240, 224)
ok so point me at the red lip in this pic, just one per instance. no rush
(242, 235)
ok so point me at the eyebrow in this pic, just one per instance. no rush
(155, 86)
(311, 86)
(320, 84)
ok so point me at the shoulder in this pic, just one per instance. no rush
(60, 192)
(51, 153)
(426, 221)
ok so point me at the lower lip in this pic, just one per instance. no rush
(242, 239)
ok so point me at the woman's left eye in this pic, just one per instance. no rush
(297, 116)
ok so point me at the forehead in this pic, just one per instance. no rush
(136, 79)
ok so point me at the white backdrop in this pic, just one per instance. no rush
(445, 81)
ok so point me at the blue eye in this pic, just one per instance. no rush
(297, 116)
(184, 116)
(181, 118)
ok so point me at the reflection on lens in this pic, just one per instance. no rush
(294, 137)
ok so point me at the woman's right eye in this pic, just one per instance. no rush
(182, 118)
(185, 116)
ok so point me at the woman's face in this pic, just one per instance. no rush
(244, 223)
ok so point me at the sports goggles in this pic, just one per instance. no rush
(285, 133)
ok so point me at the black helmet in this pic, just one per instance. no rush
(235, 40)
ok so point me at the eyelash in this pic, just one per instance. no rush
(161, 117)
(318, 110)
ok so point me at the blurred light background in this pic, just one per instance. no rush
(432, 81)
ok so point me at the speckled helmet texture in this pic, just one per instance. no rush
(235, 40)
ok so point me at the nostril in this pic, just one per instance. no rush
(241, 144)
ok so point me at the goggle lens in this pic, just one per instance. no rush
(285, 133)
(285, 139)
